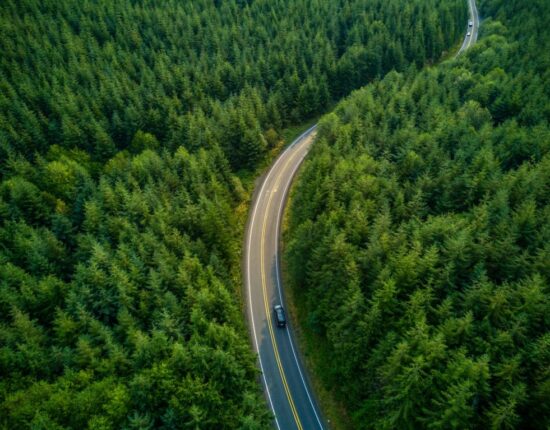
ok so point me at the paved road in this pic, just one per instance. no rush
(288, 391)
(286, 386)
(473, 30)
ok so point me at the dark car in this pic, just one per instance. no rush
(279, 315)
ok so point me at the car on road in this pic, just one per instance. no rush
(470, 24)
(279, 315)
(469, 34)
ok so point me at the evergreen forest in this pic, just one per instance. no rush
(418, 243)
(128, 130)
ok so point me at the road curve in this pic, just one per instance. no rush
(473, 30)
(285, 382)
(286, 385)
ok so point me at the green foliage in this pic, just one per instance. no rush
(104, 76)
(419, 236)
(138, 326)
(122, 125)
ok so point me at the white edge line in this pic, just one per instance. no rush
(278, 221)
(251, 312)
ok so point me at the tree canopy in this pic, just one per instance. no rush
(418, 243)
(125, 128)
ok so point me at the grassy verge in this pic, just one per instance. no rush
(249, 177)
(291, 133)
(452, 52)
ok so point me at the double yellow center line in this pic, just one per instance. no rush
(266, 301)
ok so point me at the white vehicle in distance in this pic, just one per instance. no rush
(469, 34)
(470, 23)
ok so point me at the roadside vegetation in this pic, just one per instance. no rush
(125, 130)
(419, 235)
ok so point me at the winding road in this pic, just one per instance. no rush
(288, 392)
(285, 381)
(473, 30)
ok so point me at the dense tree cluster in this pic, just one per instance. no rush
(419, 238)
(117, 302)
(122, 124)
(92, 74)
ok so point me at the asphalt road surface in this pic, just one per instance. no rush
(288, 392)
(285, 382)
(473, 30)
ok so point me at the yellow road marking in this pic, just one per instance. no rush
(266, 303)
